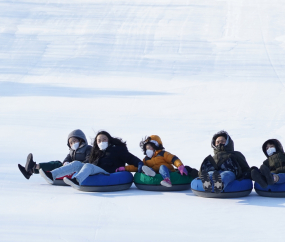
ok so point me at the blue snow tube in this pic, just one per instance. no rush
(107, 183)
(234, 189)
(276, 190)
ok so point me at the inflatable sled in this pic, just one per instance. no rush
(148, 183)
(276, 190)
(107, 183)
(234, 189)
(59, 181)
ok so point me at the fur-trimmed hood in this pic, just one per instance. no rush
(276, 143)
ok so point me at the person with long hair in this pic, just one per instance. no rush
(107, 155)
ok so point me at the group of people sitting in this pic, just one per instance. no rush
(109, 155)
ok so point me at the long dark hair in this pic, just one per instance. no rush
(96, 152)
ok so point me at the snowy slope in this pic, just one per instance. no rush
(180, 69)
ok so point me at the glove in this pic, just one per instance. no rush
(140, 165)
(182, 170)
(120, 169)
(65, 163)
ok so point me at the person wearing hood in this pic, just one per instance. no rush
(273, 168)
(157, 160)
(107, 155)
(78, 150)
(226, 165)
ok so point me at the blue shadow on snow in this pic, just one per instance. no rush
(15, 89)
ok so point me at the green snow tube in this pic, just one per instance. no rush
(148, 183)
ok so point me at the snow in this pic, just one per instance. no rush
(181, 69)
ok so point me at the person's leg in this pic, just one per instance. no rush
(164, 172)
(148, 171)
(265, 171)
(47, 166)
(227, 177)
(87, 170)
(211, 182)
(74, 166)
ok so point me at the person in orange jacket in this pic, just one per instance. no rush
(157, 160)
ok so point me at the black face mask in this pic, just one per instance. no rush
(221, 147)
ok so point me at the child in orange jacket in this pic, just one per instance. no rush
(158, 161)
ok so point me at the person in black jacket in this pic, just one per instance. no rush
(273, 168)
(78, 150)
(226, 165)
(107, 155)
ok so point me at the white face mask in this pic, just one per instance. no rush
(149, 153)
(103, 145)
(75, 146)
(270, 151)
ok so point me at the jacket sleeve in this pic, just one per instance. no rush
(132, 168)
(87, 154)
(172, 159)
(67, 159)
(243, 163)
(128, 158)
(266, 163)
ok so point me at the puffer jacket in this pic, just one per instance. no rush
(160, 157)
(225, 158)
(275, 162)
(83, 152)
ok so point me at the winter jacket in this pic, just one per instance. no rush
(160, 157)
(275, 162)
(83, 152)
(225, 158)
(116, 156)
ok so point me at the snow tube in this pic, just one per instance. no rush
(276, 190)
(179, 182)
(59, 181)
(107, 183)
(234, 189)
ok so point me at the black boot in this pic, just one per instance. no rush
(207, 185)
(24, 172)
(258, 177)
(192, 172)
(265, 171)
(30, 164)
(218, 184)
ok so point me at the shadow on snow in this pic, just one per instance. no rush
(14, 89)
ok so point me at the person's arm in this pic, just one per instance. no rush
(172, 159)
(266, 163)
(127, 157)
(87, 154)
(67, 159)
(132, 168)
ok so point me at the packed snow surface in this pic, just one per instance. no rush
(181, 69)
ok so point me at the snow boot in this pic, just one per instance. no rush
(166, 182)
(30, 164)
(72, 182)
(207, 185)
(265, 171)
(218, 184)
(258, 177)
(148, 171)
(26, 174)
(47, 176)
